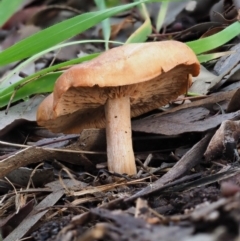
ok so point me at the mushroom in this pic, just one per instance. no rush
(121, 83)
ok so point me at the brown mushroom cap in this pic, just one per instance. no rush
(151, 74)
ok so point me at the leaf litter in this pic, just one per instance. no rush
(187, 153)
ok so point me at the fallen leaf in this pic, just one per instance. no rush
(22, 176)
(22, 17)
(182, 121)
(228, 67)
(203, 81)
(22, 112)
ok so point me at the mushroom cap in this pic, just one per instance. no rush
(151, 74)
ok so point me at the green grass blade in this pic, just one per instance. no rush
(36, 56)
(7, 92)
(41, 85)
(112, 3)
(44, 72)
(202, 45)
(203, 58)
(161, 15)
(106, 26)
(142, 33)
(57, 33)
(41, 82)
(7, 9)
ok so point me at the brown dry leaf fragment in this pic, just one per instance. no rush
(52, 14)
(229, 66)
(208, 102)
(173, 123)
(224, 141)
(234, 103)
(56, 141)
(22, 17)
(224, 11)
(204, 81)
(15, 36)
(182, 121)
(22, 176)
(181, 117)
(12, 221)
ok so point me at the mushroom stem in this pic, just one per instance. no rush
(119, 136)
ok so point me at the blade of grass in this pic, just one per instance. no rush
(58, 33)
(203, 58)
(21, 89)
(36, 56)
(17, 85)
(142, 33)
(106, 26)
(41, 85)
(202, 45)
(161, 15)
(8, 8)
(112, 3)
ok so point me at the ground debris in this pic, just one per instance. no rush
(117, 225)
(218, 220)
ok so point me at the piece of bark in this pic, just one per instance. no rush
(224, 142)
(35, 154)
(234, 102)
